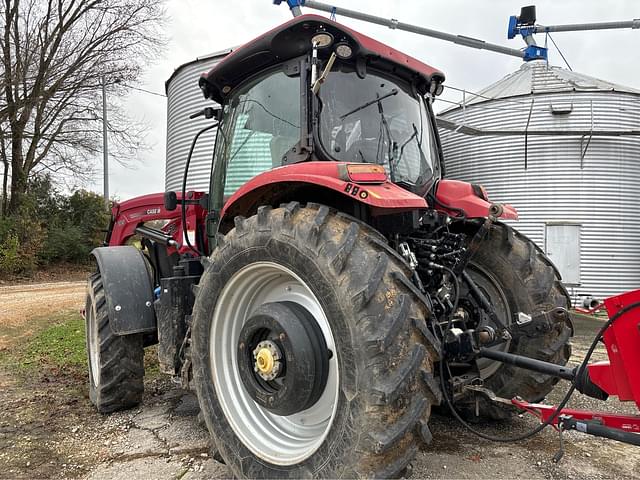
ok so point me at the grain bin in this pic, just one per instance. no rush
(184, 97)
(564, 149)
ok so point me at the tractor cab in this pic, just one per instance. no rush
(315, 90)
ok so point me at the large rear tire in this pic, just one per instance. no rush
(517, 277)
(372, 415)
(116, 362)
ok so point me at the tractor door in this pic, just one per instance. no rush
(259, 127)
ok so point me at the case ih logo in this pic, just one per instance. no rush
(153, 211)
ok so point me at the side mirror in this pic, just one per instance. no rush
(207, 112)
(170, 201)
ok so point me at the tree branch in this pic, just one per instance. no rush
(53, 54)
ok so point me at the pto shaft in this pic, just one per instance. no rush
(530, 364)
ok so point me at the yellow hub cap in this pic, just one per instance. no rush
(265, 361)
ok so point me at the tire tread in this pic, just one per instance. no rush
(121, 368)
(388, 313)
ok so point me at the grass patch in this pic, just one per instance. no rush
(151, 364)
(601, 315)
(55, 345)
(60, 345)
(57, 342)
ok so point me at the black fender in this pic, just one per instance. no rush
(128, 289)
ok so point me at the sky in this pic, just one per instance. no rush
(197, 27)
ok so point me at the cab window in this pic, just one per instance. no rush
(261, 124)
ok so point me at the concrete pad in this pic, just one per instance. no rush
(472, 466)
(153, 416)
(139, 469)
(185, 435)
(206, 470)
(188, 406)
(137, 443)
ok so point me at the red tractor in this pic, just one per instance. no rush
(313, 296)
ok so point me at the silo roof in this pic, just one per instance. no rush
(538, 77)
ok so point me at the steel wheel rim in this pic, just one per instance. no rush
(94, 345)
(276, 439)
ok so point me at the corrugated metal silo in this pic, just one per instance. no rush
(184, 97)
(576, 188)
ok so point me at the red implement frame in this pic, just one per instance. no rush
(590, 311)
(620, 376)
(628, 423)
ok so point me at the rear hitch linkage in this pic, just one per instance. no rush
(470, 344)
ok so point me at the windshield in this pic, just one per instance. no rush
(376, 120)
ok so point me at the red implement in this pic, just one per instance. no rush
(620, 376)
(628, 423)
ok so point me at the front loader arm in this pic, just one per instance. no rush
(127, 216)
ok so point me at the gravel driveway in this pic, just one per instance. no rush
(19, 302)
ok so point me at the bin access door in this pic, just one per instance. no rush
(562, 246)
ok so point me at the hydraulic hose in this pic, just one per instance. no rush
(456, 284)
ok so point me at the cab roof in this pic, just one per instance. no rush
(292, 39)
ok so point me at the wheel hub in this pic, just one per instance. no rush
(267, 360)
(283, 358)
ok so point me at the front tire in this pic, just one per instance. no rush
(116, 363)
(371, 416)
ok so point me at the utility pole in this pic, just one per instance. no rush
(105, 148)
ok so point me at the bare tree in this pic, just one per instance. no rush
(55, 54)
(5, 175)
